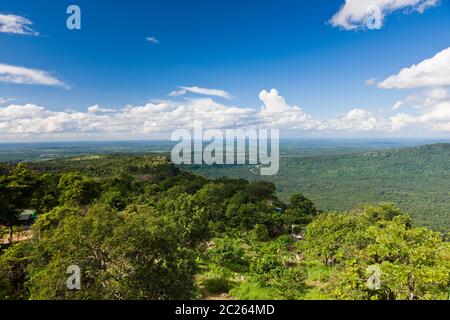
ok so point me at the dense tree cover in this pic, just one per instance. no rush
(412, 263)
(301, 210)
(140, 228)
(135, 254)
(331, 173)
(417, 179)
(135, 228)
(18, 189)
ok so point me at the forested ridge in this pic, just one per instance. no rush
(140, 228)
(417, 179)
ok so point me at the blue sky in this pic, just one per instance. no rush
(240, 47)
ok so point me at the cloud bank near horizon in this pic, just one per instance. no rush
(428, 111)
(29, 121)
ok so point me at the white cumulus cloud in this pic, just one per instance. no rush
(357, 120)
(29, 121)
(428, 98)
(429, 110)
(279, 114)
(431, 72)
(355, 14)
(13, 24)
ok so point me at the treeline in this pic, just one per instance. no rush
(139, 228)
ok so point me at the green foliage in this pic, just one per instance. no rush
(13, 271)
(46, 223)
(135, 255)
(77, 190)
(413, 262)
(139, 228)
(4, 283)
(190, 215)
(266, 265)
(290, 284)
(339, 177)
(227, 252)
(326, 235)
(78, 239)
(272, 268)
(245, 214)
(217, 285)
(260, 233)
(46, 193)
(249, 290)
(114, 199)
(261, 190)
(149, 262)
(301, 210)
(16, 191)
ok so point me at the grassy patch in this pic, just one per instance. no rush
(318, 276)
(248, 290)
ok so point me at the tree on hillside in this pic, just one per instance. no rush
(16, 192)
(272, 268)
(131, 255)
(300, 210)
(327, 235)
(14, 263)
(193, 218)
(261, 190)
(413, 263)
(147, 260)
(410, 263)
(46, 195)
(77, 189)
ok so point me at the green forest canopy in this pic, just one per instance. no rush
(140, 228)
(417, 179)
